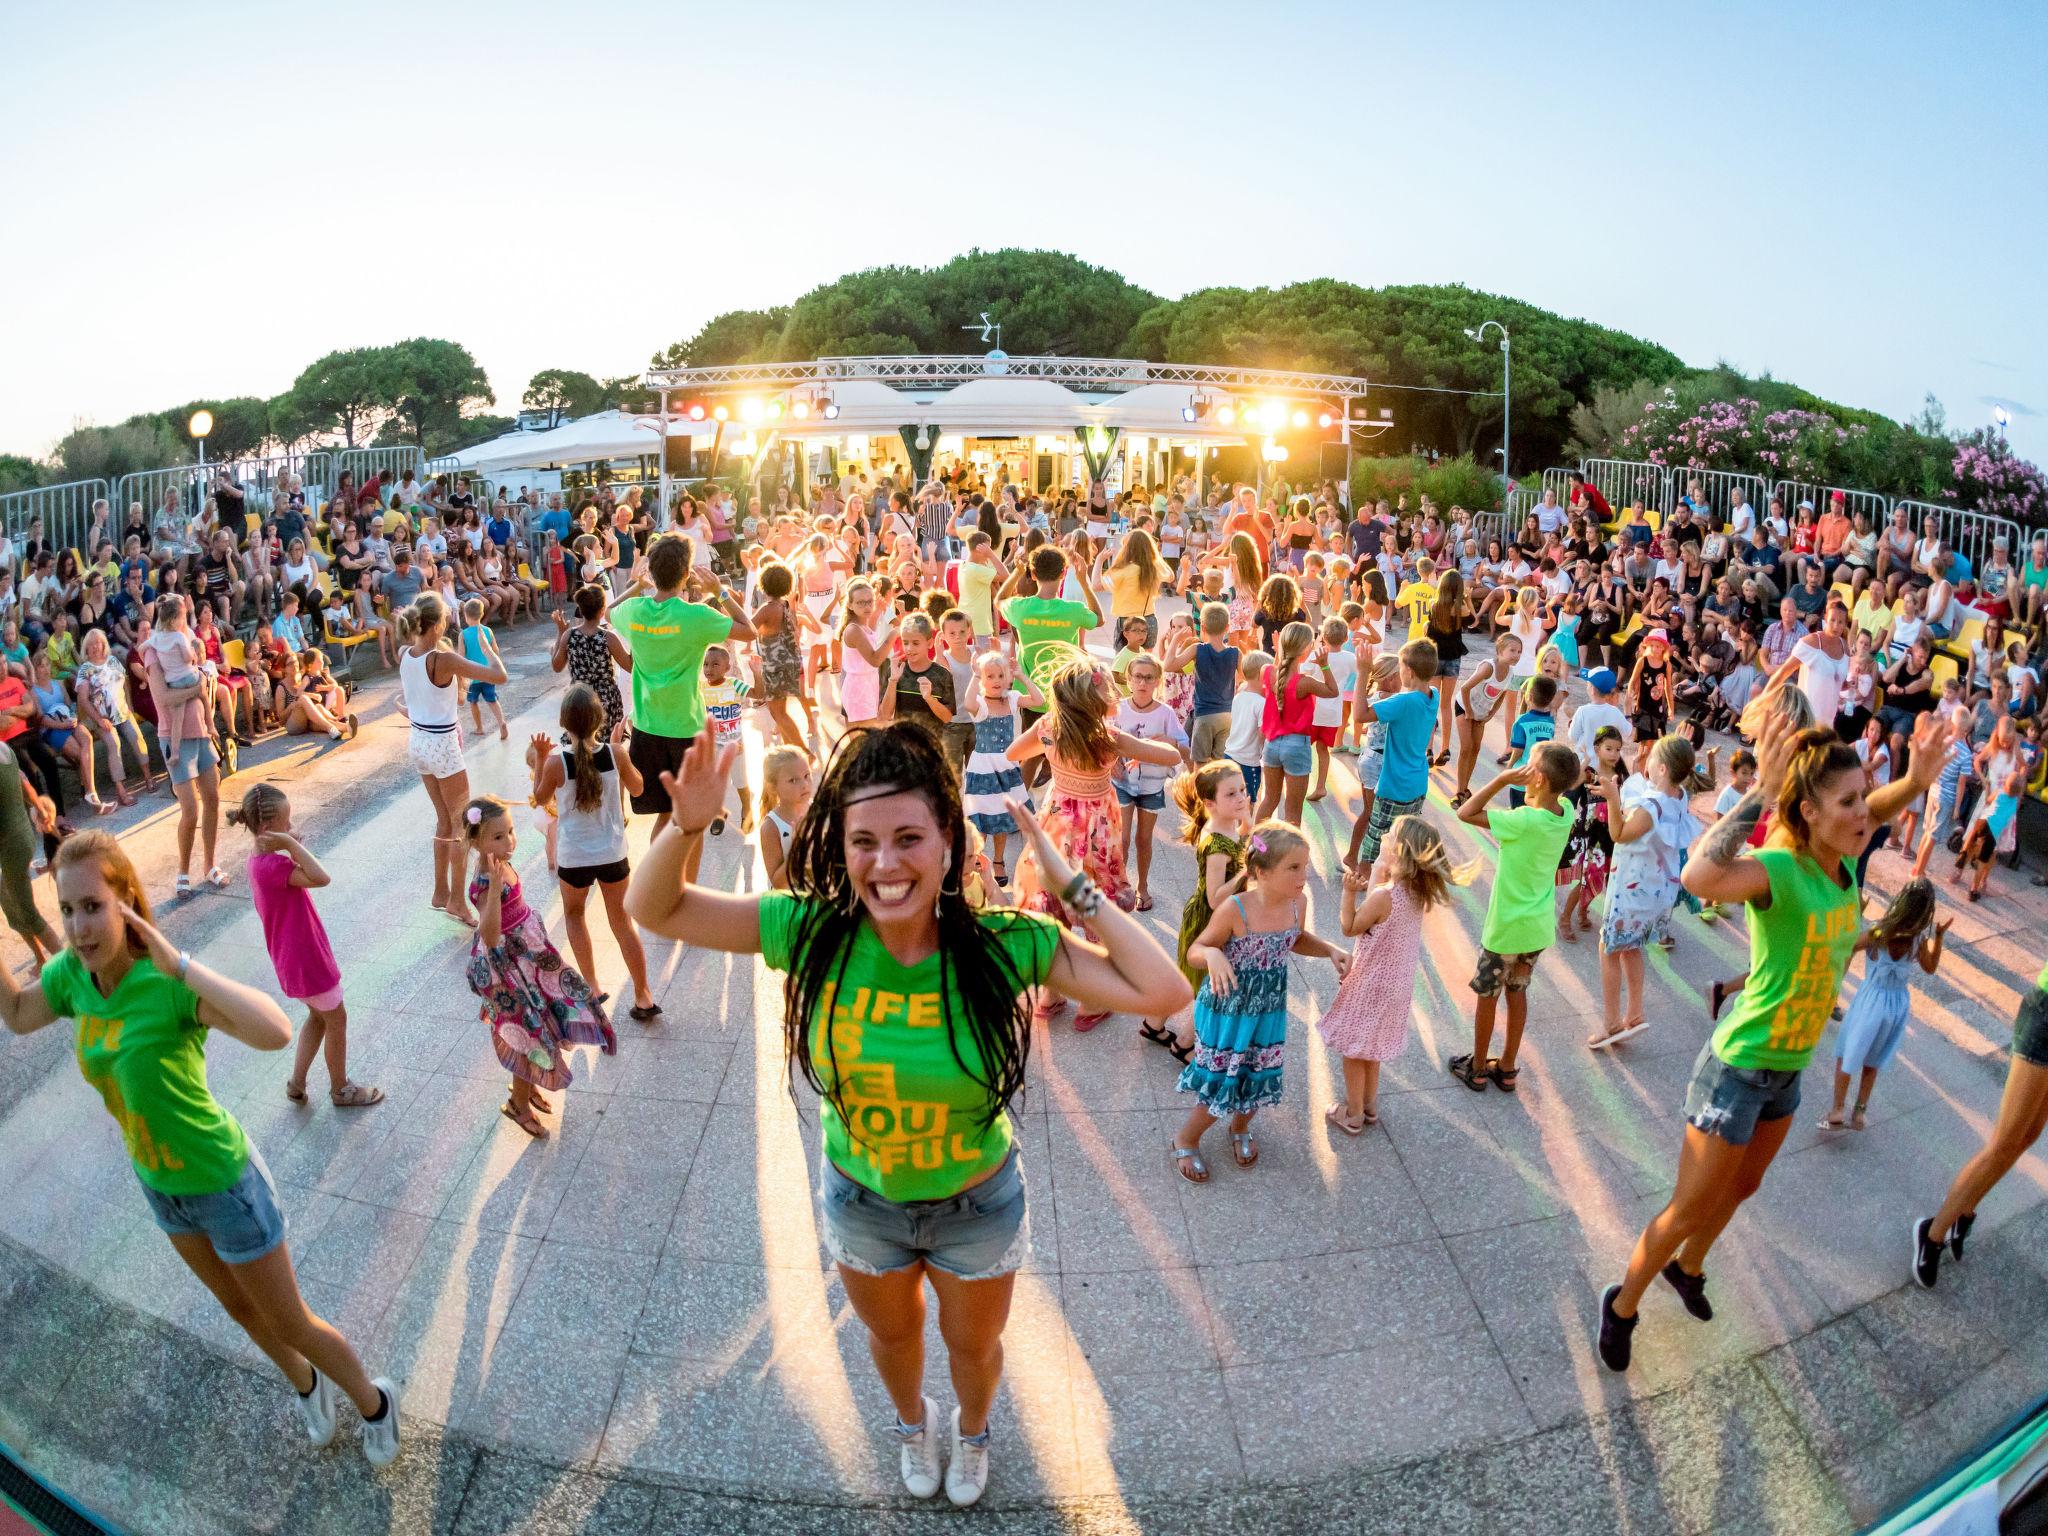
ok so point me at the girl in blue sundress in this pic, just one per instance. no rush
(1241, 1006)
(1907, 935)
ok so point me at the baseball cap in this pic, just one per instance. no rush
(1837, 497)
(1602, 679)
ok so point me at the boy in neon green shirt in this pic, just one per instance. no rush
(1521, 914)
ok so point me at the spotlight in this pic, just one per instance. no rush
(1300, 417)
(696, 410)
(750, 410)
(831, 411)
(1273, 415)
(1187, 413)
(1323, 421)
(720, 413)
(800, 409)
(774, 409)
(1226, 413)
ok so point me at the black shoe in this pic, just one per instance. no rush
(1692, 1290)
(1617, 1334)
(1958, 1232)
(1926, 1255)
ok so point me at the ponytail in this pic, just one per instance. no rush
(1194, 790)
(582, 720)
(263, 804)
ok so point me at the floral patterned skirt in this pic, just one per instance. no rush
(535, 1005)
(1091, 834)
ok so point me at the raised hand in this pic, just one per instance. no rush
(162, 952)
(697, 794)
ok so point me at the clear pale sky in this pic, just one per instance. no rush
(200, 199)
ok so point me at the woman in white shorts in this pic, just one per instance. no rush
(428, 673)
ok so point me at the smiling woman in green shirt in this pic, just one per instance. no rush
(143, 1010)
(904, 1010)
(1800, 888)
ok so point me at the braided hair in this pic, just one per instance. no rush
(976, 975)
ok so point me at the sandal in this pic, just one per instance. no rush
(1083, 1022)
(1187, 1162)
(1144, 903)
(1857, 1121)
(1350, 1128)
(1460, 798)
(1002, 873)
(356, 1096)
(1628, 1031)
(1051, 1010)
(640, 1015)
(1243, 1148)
(523, 1120)
(1473, 1077)
(1832, 1121)
(1502, 1077)
(1158, 1034)
(217, 878)
(183, 887)
(297, 1094)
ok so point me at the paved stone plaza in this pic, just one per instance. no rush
(631, 1327)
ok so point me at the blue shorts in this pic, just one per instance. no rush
(241, 1222)
(195, 756)
(1728, 1102)
(980, 1234)
(1293, 755)
(1253, 774)
(1153, 800)
(488, 692)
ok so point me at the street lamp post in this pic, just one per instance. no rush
(201, 424)
(1507, 399)
(2001, 418)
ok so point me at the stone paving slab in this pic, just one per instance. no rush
(633, 1327)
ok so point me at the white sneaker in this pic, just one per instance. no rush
(317, 1409)
(967, 1472)
(380, 1439)
(919, 1455)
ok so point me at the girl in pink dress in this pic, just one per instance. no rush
(1367, 1022)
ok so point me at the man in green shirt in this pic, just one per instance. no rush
(668, 634)
(1521, 914)
(1046, 626)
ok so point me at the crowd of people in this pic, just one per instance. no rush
(982, 707)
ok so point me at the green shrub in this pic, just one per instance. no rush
(1457, 482)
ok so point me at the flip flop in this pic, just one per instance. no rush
(1187, 1162)
(1144, 903)
(1244, 1148)
(1629, 1032)
(1083, 1022)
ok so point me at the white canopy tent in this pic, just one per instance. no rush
(590, 439)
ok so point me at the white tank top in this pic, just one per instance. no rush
(430, 708)
(584, 839)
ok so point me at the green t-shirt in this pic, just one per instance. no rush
(917, 1132)
(144, 1051)
(1043, 624)
(1799, 948)
(668, 638)
(1521, 917)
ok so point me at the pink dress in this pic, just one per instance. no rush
(1368, 1020)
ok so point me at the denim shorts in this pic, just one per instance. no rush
(2030, 1028)
(1144, 799)
(1728, 1102)
(195, 756)
(982, 1233)
(241, 1222)
(1292, 755)
(487, 692)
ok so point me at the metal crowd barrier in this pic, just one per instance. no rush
(1559, 483)
(180, 484)
(1623, 481)
(1498, 525)
(1714, 490)
(66, 511)
(1792, 492)
(1969, 534)
(262, 480)
(390, 463)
